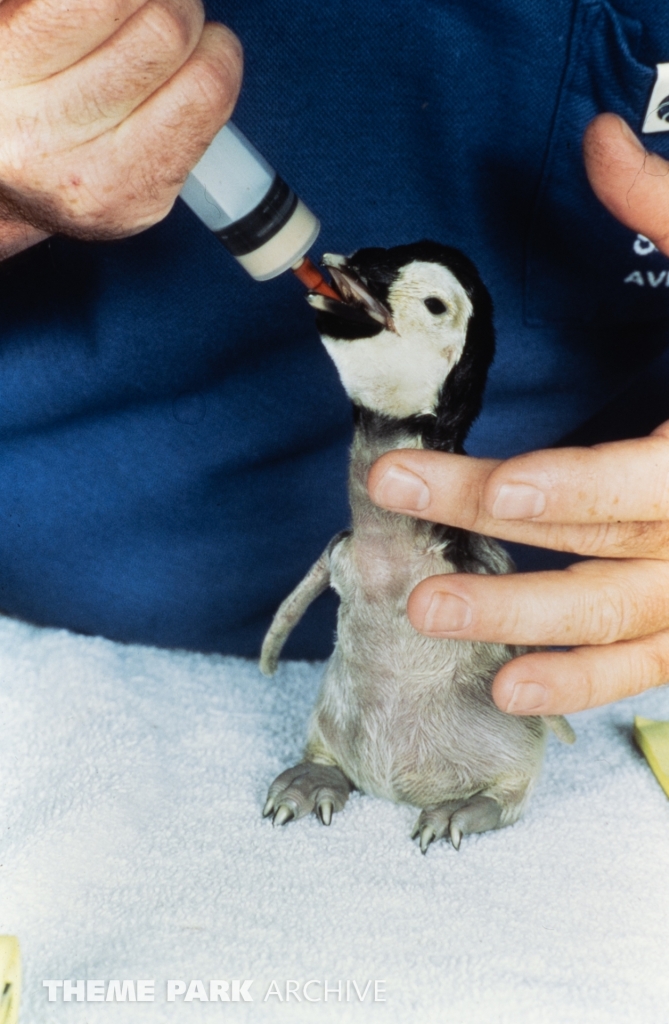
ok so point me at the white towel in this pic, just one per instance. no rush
(132, 848)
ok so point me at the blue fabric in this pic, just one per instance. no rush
(172, 436)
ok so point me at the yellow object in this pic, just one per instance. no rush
(653, 738)
(10, 979)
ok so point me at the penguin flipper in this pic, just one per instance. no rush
(561, 727)
(291, 610)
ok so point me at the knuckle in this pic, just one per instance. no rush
(656, 658)
(609, 617)
(205, 95)
(597, 688)
(31, 39)
(214, 92)
(81, 109)
(657, 539)
(218, 69)
(583, 681)
(500, 612)
(620, 540)
(176, 26)
(622, 600)
(511, 619)
(634, 539)
(595, 539)
(228, 45)
(565, 539)
(631, 608)
(586, 678)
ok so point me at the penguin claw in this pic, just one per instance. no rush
(307, 787)
(455, 835)
(457, 818)
(427, 836)
(433, 823)
(324, 811)
(283, 815)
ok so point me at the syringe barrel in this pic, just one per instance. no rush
(259, 219)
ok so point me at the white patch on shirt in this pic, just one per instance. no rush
(657, 111)
(643, 246)
(653, 279)
(400, 373)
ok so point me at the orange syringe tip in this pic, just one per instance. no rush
(311, 278)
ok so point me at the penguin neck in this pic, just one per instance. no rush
(370, 441)
(443, 431)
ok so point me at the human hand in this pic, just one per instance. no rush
(610, 501)
(104, 108)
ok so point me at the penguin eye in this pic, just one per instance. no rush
(435, 305)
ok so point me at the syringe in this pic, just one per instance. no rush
(259, 219)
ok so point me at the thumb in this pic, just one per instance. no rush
(631, 182)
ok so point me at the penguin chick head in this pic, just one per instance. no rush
(411, 336)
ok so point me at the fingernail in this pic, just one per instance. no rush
(447, 613)
(398, 488)
(527, 697)
(518, 501)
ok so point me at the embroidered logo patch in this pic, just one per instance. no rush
(657, 112)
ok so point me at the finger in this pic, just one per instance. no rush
(456, 490)
(559, 683)
(631, 182)
(177, 124)
(39, 38)
(101, 90)
(623, 481)
(596, 602)
(128, 178)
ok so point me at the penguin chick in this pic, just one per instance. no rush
(401, 715)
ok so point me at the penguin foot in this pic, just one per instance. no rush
(456, 818)
(307, 787)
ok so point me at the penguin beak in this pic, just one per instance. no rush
(356, 302)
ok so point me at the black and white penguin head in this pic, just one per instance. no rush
(411, 336)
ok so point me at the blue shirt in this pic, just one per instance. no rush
(173, 437)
